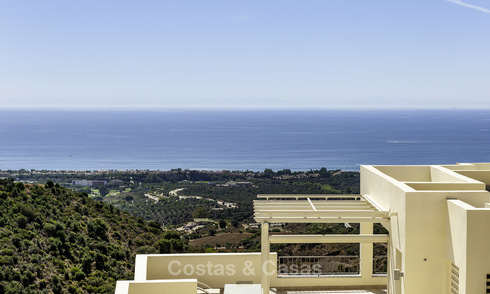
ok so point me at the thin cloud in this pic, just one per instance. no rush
(479, 8)
(241, 17)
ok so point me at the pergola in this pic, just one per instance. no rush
(275, 208)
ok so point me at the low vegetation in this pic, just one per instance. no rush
(54, 240)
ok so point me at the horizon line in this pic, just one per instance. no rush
(238, 108)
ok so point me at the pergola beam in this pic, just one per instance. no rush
(321, 220)
(292, 203)
(292, 239)
(322, 202)
(320, 214)
(307, 206)
(374, 203)
(312, 206)
(304, 196)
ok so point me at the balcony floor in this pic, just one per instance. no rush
(374, 291)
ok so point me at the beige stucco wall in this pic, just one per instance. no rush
(441, 174)
(425, 242)
(457, 243)
(477, 171)
(483, 176)
(236, 267)
(426, 236)
(469, 236)
(212, 269)
(478, 250)
(303, 282)
(416, 197)
(423, 173)
(390, 194)
(432, 186)
(469, 166)
(406, 173)
(188, 286)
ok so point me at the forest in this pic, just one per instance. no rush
(55, 240)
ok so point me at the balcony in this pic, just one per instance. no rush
(327, 266)
(318, 266)
(210, 272)
(264, 272)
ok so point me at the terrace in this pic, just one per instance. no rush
(265, 272)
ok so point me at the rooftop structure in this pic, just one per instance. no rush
(438, 219)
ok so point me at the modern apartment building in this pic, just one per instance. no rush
(438, 241)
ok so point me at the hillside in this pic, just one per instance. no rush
(54, 240)
(161, 195)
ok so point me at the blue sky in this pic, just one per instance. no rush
(245, 54)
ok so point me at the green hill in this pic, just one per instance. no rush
(53, 240)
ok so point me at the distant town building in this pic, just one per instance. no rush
(115, 182)
(235, 184)
(90, 183)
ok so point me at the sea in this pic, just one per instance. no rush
(254, 140)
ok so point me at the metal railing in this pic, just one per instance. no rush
(380, 265)
(318, 265)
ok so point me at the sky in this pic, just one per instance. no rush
(245, 54)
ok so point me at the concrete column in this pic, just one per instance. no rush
(389, 270)
(366, 252)
(265, 249)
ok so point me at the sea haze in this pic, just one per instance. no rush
(240, 140)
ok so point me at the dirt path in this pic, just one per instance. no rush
(175, 192)
(152, 197)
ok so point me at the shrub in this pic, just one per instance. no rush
(21, 221)
(87, 261)
(222, 224)
(100, 261)
(177, 245)
(146, 250)
(7, 251)
(16, 240)
(72, 289)
(4, 195)
(27, 278)
(97, 228)
(163, 246)
(50, 184)
(49, 228)
(171, 235)
(54, 245)
(77, 274)
(14, 287)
